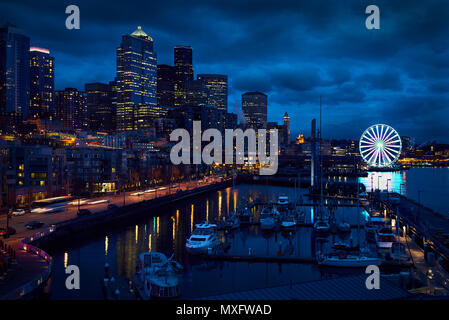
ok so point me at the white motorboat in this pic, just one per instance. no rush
(384, 238)
(288, 222)
(344, 227)
(157, 276)
(269, 218)
(245, 216)
(232, 222)
(348, 261)
(321, 226)
(203, 238)
(373, 224)
(283, 201)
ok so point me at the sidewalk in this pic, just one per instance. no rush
(26, 268)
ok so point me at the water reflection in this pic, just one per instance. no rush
(385, 181)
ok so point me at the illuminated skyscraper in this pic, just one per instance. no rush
(42, 83)
(254, 106)
(217, 90)
(71, 109)
(136, 81)
(183, 72)
(14, 73)
(100, 109)
(195, 93)
(166, 85)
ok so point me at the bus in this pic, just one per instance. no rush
(50, 205)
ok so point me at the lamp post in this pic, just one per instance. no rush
(388, 190)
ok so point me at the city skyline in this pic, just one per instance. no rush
(381, 84)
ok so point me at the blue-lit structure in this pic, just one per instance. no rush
(380, 145)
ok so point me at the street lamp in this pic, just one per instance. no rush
(388, 191)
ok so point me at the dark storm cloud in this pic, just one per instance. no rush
(292, 50)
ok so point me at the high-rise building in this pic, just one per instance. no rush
(196, 93)
(166, 77)
(183, 72)
(71, 109)
(100, 108)
(217, 90)
(42, 83)
(254, 106)
(14, 74)
(286, 127)
(136, 81)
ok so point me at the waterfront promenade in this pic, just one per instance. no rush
(30, 265)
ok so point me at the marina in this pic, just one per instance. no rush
(250, 257)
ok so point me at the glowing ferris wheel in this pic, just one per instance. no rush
(380, 145)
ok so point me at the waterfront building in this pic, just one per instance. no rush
(93, 169)
(136, 81)
(71, 109)
(34, 172)
(254, 106)
(14, 75)
(166, 77)
(183, 72)
(100, 108)
(42, 84)
(216, 86)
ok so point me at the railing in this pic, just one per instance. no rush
(43, 276)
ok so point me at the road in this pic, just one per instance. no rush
(70, 212)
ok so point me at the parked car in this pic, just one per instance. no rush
(18, 212)
(83, 212)
(3, 231)
(34, 225)
(112, 206)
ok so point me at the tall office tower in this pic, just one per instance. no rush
(42, 83)
(136, 81)
(166, 85)
(14, 75)
(100, 112)
(113, 87)
(183, 72)
(70, 108)
(195, 93)
(286, 128)
(254, 106)
(217, 90)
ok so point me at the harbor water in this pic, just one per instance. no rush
(167, 229)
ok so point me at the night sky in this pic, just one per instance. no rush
(294, 51)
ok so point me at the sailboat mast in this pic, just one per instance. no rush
(321, 165)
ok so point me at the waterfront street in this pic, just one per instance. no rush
(70, 212)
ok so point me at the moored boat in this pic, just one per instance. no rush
(157, 276)
(203, 238)
(348, 261)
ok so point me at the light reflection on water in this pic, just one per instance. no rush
(166, 230)
(433, 184)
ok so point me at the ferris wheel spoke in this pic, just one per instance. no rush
(382, 133)
(389, 135)
(386, 155)
(390, 152)
(369, 136)
(392, 137)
